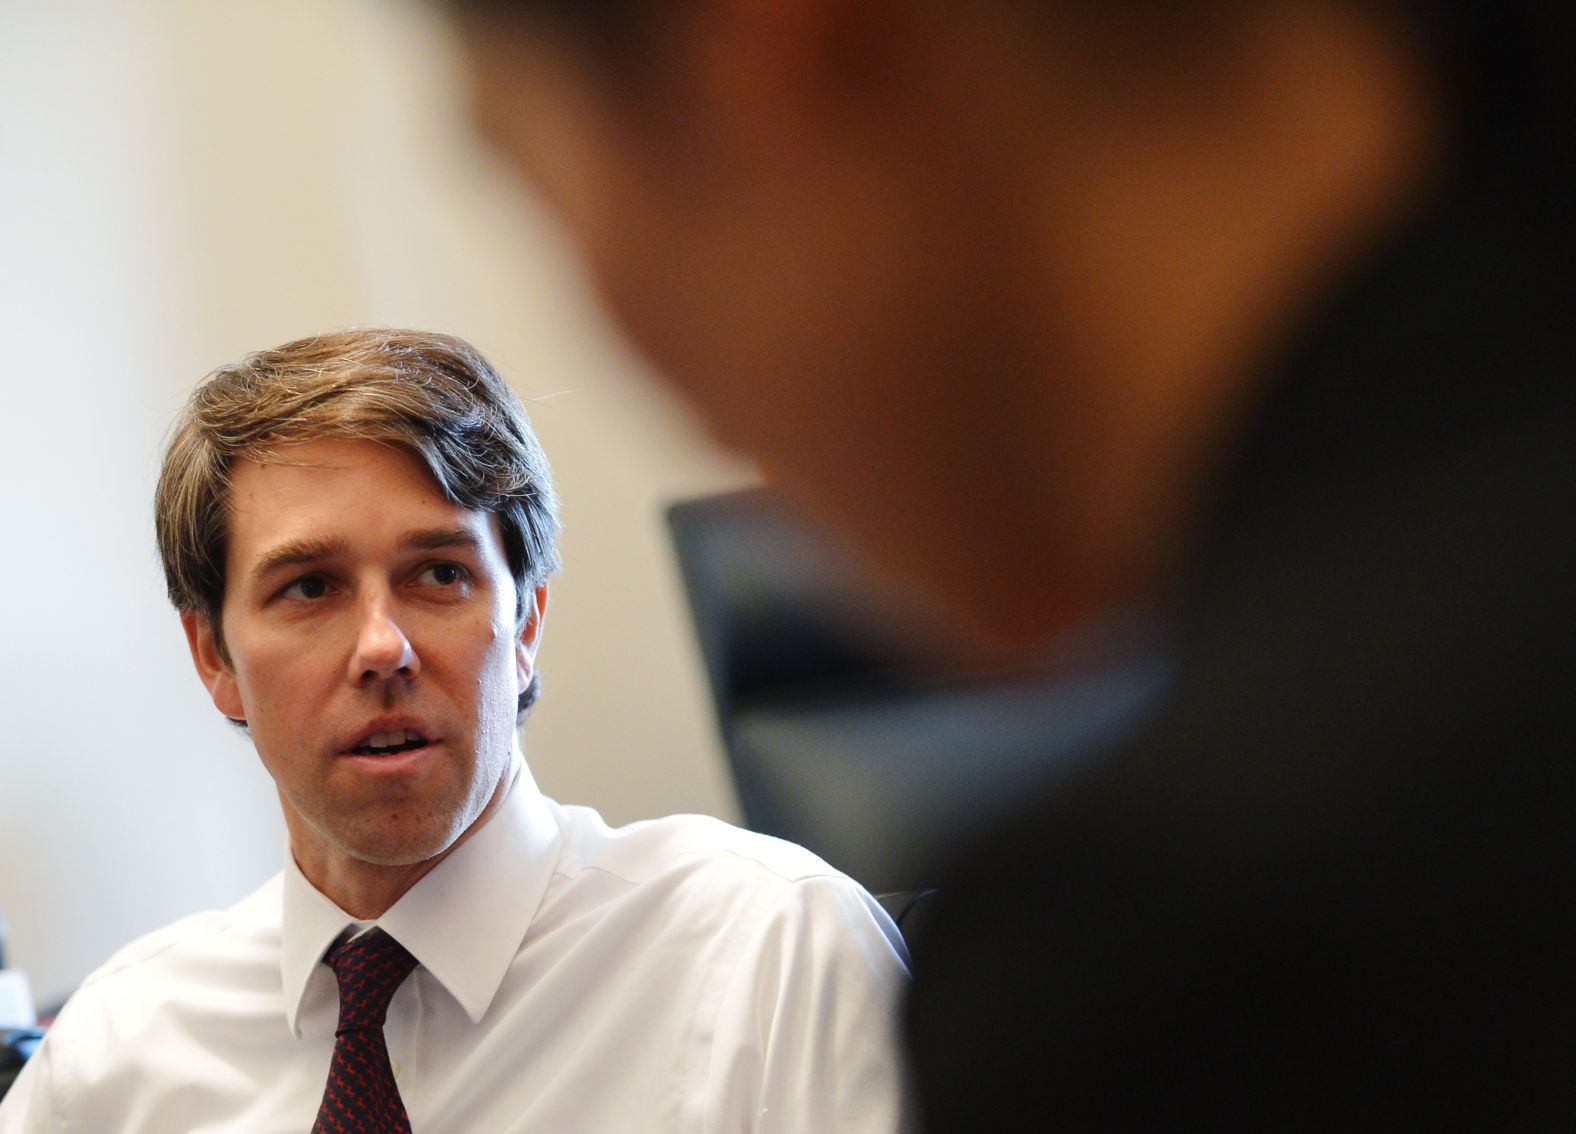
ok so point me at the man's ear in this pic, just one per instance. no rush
(530, 636)
(215, 672)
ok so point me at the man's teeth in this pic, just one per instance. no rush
(380, 742)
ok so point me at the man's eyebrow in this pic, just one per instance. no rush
(296, 552)
(437, 539)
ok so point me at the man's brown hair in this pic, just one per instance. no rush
(430, 394)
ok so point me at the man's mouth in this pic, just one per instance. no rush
(390, 743)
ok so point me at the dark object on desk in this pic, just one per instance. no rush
(835, 743)
(16, 1047)
(16, 1044)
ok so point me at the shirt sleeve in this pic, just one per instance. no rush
(806, 1035)
(27, 1106)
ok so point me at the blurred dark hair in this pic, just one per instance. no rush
(1508, 64)
(610, 28)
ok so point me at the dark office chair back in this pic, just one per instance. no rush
(835, 741)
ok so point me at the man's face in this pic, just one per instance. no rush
(373, 648)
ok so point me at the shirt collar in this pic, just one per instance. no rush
(463, 921)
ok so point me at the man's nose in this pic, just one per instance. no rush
(383, 650)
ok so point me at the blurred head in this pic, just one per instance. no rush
(431, 395)
(987, 285)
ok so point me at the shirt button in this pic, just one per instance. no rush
(394, 1064)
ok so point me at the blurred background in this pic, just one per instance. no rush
(185, 181)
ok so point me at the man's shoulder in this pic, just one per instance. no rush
(715, 893)
(159, 998)
(198, 948)
(652, 849)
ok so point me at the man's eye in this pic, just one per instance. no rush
(442, 574)
(309, 587)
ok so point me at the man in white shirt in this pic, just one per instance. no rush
(357, 529)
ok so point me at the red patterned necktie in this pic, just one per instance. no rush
(361, 1096)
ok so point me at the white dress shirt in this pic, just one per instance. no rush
(672, 975)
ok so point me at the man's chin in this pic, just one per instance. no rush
(329, 840)
(398, 848)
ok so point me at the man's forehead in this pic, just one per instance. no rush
(311, 476)
(324, 500)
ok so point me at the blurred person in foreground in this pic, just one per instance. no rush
(357, 530)
(1257, 312)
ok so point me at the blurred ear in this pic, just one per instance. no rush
(530, 637)
(217, 676)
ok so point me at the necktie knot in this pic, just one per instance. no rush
(369, 969)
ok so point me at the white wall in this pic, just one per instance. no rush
(186, 180)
